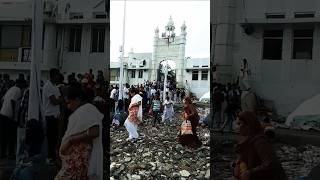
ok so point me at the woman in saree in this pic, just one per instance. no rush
(190, 113)
(81, 149)
(135, 115)
(256, 156)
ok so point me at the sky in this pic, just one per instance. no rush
(142, 17)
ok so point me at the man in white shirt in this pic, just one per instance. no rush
(248, 101)
(52, 99)
(8, 124)
(113, 99)
(153, 91)
(126, 96)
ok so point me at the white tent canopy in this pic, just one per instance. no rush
(310, 107)
(205, 97)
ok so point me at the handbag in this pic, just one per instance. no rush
(186, 128)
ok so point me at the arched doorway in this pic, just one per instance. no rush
(171, 78)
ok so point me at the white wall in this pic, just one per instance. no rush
(136, 80)
(84, 60)
(287, 82)
(258, 8)
(84, 6)
(199, 87)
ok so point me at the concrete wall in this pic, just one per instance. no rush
(84, 60)
(136, 80)
(257, 8)
(15, 11)
(198, 87)
(287, 82)
(84, 6)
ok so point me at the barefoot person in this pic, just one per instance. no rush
(81, 150)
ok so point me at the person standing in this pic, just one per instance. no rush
(126, 96)
(248, 101)
(113, 100)
(51, 103)
(153, 91)
(190, 113)
(132, 126)
(168, 110)
(178, 95)
(81, 150)
(156, 106)
(8, 125)
(256, 157)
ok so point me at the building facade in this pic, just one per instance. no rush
(280, 40)
(190, 73)
(75, 37)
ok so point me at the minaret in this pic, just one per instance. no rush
(181, 57)
(153, 64)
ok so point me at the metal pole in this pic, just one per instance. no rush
(166, 72)
(35, 73)
(122, 53)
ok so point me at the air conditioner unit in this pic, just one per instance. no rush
(48, 7)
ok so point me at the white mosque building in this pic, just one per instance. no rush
(190, 73)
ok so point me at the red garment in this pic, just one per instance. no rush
(133, 114)
(261, 160)
(75, 163)
(191, 140)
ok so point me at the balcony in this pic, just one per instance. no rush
(22, 54)
(9, 54)
(15, 58)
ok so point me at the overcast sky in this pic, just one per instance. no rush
(142, 17)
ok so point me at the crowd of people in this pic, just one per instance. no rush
(72, 113)
(237, 109)
(71, 116)
(146, 102)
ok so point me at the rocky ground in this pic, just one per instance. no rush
(157, 154)
(296, 161)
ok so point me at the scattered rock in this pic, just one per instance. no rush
(146, 154)
(159, 155)
(184, 173)
(207, 176)
(135, 177)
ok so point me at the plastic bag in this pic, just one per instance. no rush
(186, 128)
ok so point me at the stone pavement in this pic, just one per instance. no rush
(43, 173)
(297, 157)
(157, 154)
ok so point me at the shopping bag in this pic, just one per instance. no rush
(186, 128)
(133, 114)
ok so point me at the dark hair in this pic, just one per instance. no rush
(54, 72)
(75, 90)
(20, 83)
(188, 100)
(134, 90)
(251, 120)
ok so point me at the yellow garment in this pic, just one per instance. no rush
(242, 167)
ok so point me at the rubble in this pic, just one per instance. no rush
(157, 154)
(296, 161)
